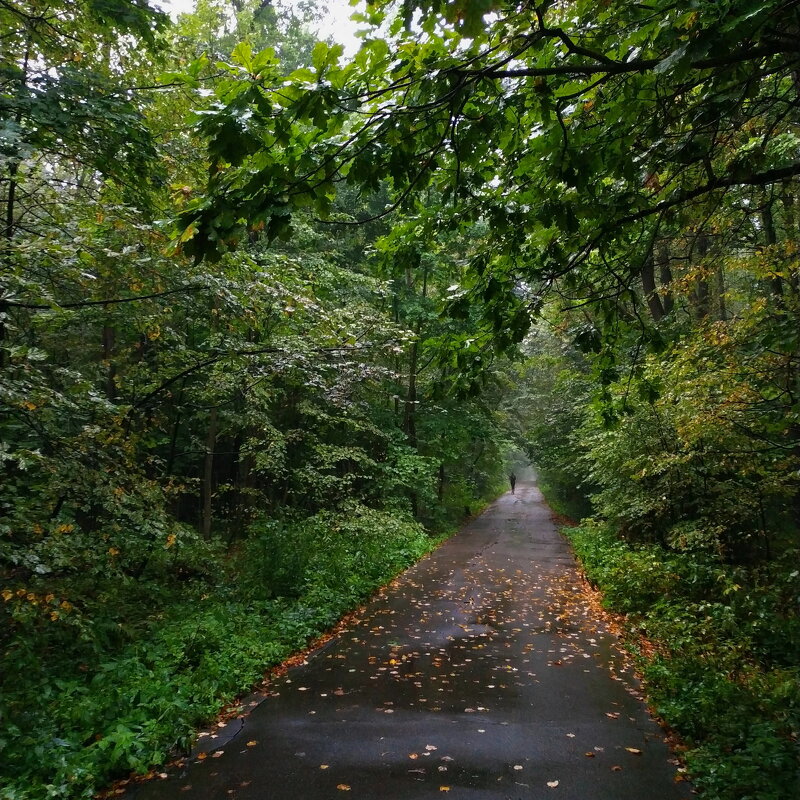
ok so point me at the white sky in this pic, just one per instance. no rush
(335, 23)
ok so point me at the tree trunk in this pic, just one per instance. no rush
(208, 473)
(723, 307)
(666, 279)
(702, 294)
(9, 221)
(648, 275)
(109, 336)
(409, 421)
(790, 225)
(770, 240)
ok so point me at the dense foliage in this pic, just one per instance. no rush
(201, 467)
(237, 420)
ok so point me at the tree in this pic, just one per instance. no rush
(575, 131)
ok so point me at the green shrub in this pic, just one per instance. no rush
(726, 675)
(119, 683)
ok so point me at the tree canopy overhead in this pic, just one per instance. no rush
(578, 130)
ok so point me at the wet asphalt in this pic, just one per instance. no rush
(482, 672)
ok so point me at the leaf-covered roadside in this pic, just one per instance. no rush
(684, 471)
(118, 683)
(726, 671)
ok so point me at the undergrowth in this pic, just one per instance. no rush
(117, 683)
(726, 672)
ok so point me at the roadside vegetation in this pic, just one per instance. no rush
(689, 530)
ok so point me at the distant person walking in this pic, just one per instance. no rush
(512, 479)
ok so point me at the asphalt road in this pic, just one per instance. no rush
(482, 672)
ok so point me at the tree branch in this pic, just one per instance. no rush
(109, 302)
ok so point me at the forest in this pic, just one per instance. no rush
(275, 319)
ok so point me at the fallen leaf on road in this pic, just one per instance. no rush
(413, 755)
(635, 750)
(430, 747)
(444, 788)
(616, 768)
(517, 766)
(552, 784)
(589, 754)
(343, 787)
(324, 766)
(252, 743)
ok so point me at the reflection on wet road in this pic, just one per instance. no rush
(480, 673)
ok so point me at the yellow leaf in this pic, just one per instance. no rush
(188, 233)
(444, 788)
(7, 594)
(252, 743)
(634, 750)
(343, 787)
